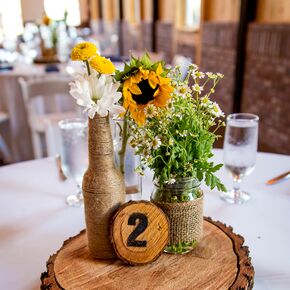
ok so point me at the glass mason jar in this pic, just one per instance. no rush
(182, 202)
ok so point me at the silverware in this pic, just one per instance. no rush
(281, 177)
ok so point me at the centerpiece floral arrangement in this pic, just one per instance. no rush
(172, 124)
(170, 120)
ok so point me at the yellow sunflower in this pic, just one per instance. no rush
(83, 51)
(144, 88)
(102, 65)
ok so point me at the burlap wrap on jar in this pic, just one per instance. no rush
(182, 202)
(185, 219)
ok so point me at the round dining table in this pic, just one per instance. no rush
(35, 220)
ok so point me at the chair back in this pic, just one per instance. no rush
(46, 95)
(47, 101)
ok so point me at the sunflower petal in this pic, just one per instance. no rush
(153, 81)
(134, 89)
(161, 99)
(141, 117)
(159, 69)
(136, 78)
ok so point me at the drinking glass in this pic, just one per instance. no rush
(133, 180)
(240, 150)
(74, 154)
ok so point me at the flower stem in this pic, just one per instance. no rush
(88, 67)
(122, 151)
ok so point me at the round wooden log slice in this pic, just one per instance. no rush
(139, 232)
(220, 261)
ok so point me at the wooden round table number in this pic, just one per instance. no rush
(139, 232)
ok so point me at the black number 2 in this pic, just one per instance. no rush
(141, 227)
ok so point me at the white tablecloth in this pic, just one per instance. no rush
(34, 220)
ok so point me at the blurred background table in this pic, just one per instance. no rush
(34, 220)
(11, 102)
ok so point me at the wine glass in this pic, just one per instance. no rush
(240, 149)
(74, 154)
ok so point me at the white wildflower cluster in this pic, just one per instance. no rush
(212, 107)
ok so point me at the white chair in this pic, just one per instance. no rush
(183, 62)
(47, 101)
(4, 151)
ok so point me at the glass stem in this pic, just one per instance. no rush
(79, 192)
(237, 186)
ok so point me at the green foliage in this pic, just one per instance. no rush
(177, 140)
(181, 247)
(135, 63)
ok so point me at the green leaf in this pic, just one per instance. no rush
(208, 179)
(217, 167)
(146, 60)
(199, 175)
(213, 183)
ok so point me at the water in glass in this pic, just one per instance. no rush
(74, 154)
(240, 148)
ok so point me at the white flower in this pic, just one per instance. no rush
(205, 102)
(197, 75)
(150, 111)
(171, 181)
(193, 67)
(156, 143)
(220, 75)
(197, 88)
(97, 94)
(216, 110)
(182, 89)
(211, 75)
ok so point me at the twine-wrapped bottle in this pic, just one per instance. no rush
(103, 188)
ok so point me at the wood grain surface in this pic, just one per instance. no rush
(219, 262)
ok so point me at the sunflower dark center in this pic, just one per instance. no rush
(147, 93)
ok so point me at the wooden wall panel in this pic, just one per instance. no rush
(221, 10)
(273, 11)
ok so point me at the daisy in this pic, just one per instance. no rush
(197, 88)
(97, 94)
(156, 143)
